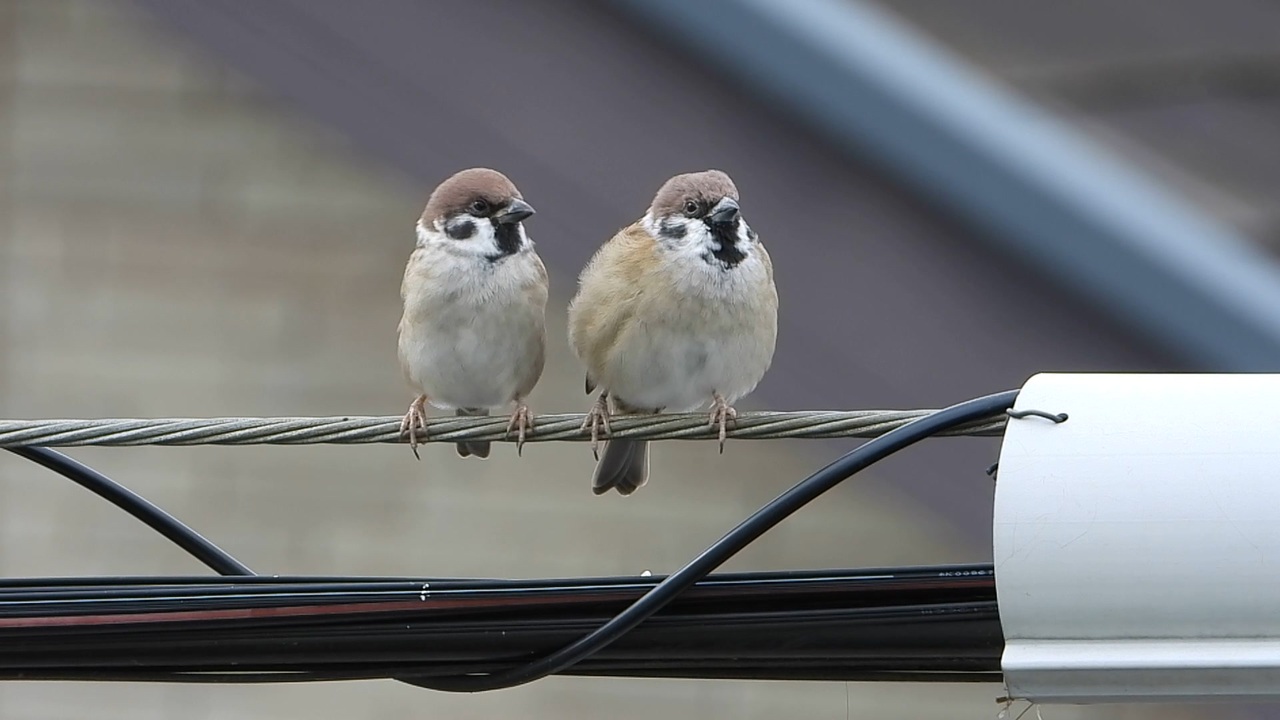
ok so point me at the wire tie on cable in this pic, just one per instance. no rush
(1057, 419)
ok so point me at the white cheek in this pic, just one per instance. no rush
(697, 236)
(481, 243)
(695, 241)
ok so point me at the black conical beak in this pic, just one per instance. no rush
(725, 212)
(514, 212)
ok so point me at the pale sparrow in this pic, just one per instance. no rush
(472, 337)
(675, 311)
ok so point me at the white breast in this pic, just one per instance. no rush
(471, 329)
(716, 334)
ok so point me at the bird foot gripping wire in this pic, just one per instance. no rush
(722, 413)
(597, 416)
(521, 422)
(415, 421)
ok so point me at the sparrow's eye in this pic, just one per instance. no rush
(690, 208)
(479, 207)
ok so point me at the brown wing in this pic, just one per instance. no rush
(537, 297)
(608, 290)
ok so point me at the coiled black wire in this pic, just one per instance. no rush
(729, 545)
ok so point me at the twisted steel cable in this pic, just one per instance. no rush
(370, 429)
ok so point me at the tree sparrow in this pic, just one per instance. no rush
(675, 311)
(472, 336)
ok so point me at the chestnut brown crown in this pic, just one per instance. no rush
(477, 191)
(705, 189)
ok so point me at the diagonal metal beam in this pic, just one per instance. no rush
(1033, 185)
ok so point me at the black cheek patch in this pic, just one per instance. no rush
(672, 229)
(460, 230)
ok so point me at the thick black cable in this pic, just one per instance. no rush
(245, 678)
(139, 507)
(724, 548)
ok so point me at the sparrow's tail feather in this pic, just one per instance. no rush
(624, 467)
(467, 449)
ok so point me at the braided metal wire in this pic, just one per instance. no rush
(361, 430)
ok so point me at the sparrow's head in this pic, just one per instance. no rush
(698, 214)
(477, 212)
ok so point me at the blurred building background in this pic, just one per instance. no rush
(205, 207)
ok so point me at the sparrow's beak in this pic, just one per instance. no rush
(514, 212)
(725, 212)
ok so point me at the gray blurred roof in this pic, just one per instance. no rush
(1194, 84)
(889, 298)
(1030, 181)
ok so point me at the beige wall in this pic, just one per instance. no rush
(172, 243)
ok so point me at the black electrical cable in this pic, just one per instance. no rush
(244, 678)
(139, 507)
(475, 679)
(790, 625)
(589, 597)
(727, 546)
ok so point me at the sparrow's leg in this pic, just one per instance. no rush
(415, 420)
(721, 412)
(598, 415)
(521, 421)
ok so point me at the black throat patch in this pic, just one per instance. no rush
(507, 235)
(726, 236)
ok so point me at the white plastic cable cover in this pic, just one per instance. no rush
(1137, 544)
